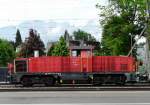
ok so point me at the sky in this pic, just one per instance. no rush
(71, 14)
(49, 17)
(13, 12)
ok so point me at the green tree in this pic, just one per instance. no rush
(121, 20)
(60, 49)
(13, 44)
(32, 43)
(116, 36)
(98, 49)
(82, 35)
(18, 38)
(7, 53)
(50, 51)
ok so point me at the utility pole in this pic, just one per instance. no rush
(131, 43)
(147, 40)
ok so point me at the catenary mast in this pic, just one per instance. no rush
(146, 32)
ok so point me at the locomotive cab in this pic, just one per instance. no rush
(20, 65)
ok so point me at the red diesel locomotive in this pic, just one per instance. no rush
(51, 70)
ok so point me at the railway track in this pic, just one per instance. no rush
(78, 87)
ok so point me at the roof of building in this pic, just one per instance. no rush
(81, 47)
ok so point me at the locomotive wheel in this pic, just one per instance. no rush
(121, 81)
(97, 81)
(48, 81)
(26, 82)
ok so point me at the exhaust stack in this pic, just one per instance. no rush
(36, 53)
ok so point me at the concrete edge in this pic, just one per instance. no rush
(72, 89)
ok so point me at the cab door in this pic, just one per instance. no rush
(86, 61)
